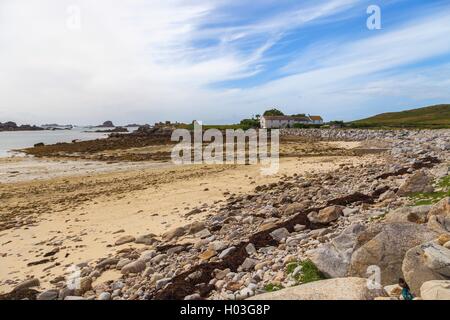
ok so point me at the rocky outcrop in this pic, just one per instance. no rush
(333, 258)
(385, 246)
(12, 126)
(331, 289)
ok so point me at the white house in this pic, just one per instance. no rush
(276, 122)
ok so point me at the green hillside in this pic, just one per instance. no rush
(429, 117)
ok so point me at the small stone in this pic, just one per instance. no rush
(205, 233)
(226, 252)
(104, 296)
(299, 227)
(124, 240)
(194, 296)
(248, 264)
(162, 283)
(208, 254)
(250, 248)
(27, 284)
(280, 234)
(326, 215)
(48, 295)
(443, 239)
(134, 267)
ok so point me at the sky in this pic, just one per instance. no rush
(218, 61)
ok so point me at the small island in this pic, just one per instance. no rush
(12, 126)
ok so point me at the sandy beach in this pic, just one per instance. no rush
(58, 212)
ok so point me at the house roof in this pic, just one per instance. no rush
(315, 118)
(285, 118)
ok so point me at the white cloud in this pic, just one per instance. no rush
(139, 61)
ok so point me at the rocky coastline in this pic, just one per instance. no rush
(307, 236)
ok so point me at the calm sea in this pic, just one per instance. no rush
(23, 139)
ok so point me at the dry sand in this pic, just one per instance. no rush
(83, 215)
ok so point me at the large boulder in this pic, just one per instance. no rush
(384, 246)
(416, 214)
(333, 258)
(331, 289)
(416, 271)
(326, 215)
(418, 182)
(435, 290)
(437, 258)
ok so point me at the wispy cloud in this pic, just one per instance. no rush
(152, 60)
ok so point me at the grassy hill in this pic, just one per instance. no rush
(429, 117)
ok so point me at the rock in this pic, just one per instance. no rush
(104, 296)
(147, 255)
(205, 233)
(416, 214)
(147, 239)
(34, 282)
(349, 211)
(157, 259)
(84, 285)
(439, 223)
(447, 245)
(48, 295)
(331, 289)
(122, 262)
(443, 239)
(442, 208)
(437, 258)
(415, 271)
(162, 283)
(333, 258)
(326, 215)
(134, 267)
(299, 227)
(174, 234)
(250, 249)
(248, 264)
(435, 290)
(207, 254)
(75, 298)
(218, 245)
(192, 297)
(124, 240)
(418, 182)
(226, 252)
(107, 262)
(385, 245)
(195, 227)
(280, 234)
(293, 208)
(393, 290)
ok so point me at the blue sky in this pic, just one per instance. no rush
(220, 60)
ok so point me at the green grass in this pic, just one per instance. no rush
(437, 116)
(309, 271)
(429, 198)
(273, 287)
